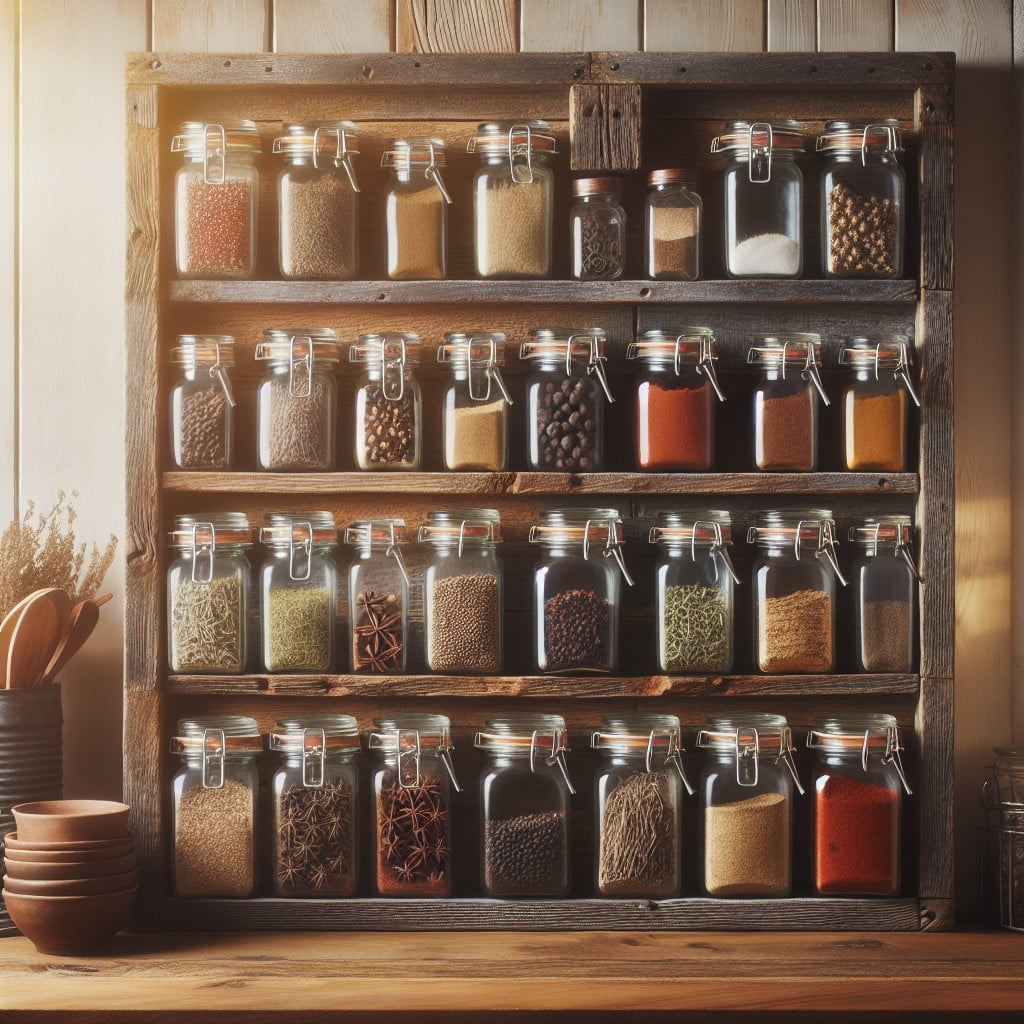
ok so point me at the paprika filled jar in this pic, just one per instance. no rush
(858, 790)
(202, 402)
(676, 390)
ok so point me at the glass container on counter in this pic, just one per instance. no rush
(597, 230)
(673, 214)
(202, 402)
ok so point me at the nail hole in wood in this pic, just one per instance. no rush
(577, 72)
(928, 66)
(588, 110)
(227, 63)
(615, 67)
(154, 64)
(682, 71)
(367, 71)
(417, 64)
(269, 67)
(884, 484)
(382, 296)
(645, 293)
(929, 108)
(871, 71)
(813, 69)
(616, 114)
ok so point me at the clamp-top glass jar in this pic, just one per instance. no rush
(513, 199)
(216, 198)
(524, 806)
(673, 213)
(764, 193)
(208, 594)
(597, 230)
(202, 402)
(462, 591)
(862, 199)
(318, 201)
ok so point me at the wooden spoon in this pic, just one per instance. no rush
(60, 601)
(33, 642)
(81, 622)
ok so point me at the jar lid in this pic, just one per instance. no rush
(848, 137)
(398, 347)
(210, 530)
(635, 732)
(702, 527)
(807, 524)
(744, 136)
(853, 731)
(305, 734)
(203, 350)
(202, 137)
(743, 732)
(375, 532)
(281, 529)
(888, 531)
(415, 151)
(545, 734)
(679, 344)
(517, 136)
(475, 525)
(596, 186)
(590, 525)
(241, 735)
(672, 176)
(791, 349)
(889, 351)
(333, 139)
(296, 344)
(567, 342)
(480, 346)
(407, 733)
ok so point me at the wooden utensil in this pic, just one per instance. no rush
(80, 624)
(34, 639)
(56, 596)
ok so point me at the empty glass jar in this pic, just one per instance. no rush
(673, 213)
(597, 230)
(202, 402)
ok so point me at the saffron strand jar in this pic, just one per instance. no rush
(203, 402)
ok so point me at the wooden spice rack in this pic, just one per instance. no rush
(611, 113)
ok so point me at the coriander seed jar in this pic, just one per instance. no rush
(202, 402)
(672, 234)
(597, 230)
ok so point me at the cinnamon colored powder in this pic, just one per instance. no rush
(675, 427)
(785, 434)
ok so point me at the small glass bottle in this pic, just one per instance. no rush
(747, 798)
(462, 591)
(597, 230)
(411, 786)
(389, 425)
(213, 806)
(296, 402)
(316, 806)
(672, 213)
(524, 806)
(202, 402)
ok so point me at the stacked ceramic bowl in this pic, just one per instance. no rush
(71, 873)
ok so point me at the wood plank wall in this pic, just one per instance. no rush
(61, 211)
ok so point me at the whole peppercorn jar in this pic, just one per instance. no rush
(299, 591)
(576, 590)
(513, 199)
(202, 402)
(858, 790)
(863, 209)
(388, 405)
(216, 193)
(316, 806)
(597, 230)
(566, 395)
(378, 597)
(676, 387)
(476, 403)
(411, 785)
(746, 790)
(524, 806)
(639, 791)
(795, 591)
(764, 193)
(213, 806)
(875, 403)
(885, 580)
(318, 201)
(672, 234)
(208, 594)
(462, 591)
(695, 598)
(296, 402)
(785, 402)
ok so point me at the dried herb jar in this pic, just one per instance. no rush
(597, 230)
(462, 591)
(318, 201)
(208, 594)
(297, 400)
(411, 783)
(298, 591)
(672, 214)
(213, 806)
(202, 402)
(746, 789)
(316, 806)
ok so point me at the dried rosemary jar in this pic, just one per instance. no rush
(378, 597)
(411, 786)
(208, 594)
(597, 230)
(639, 797)
(316, 806)
(524, 806)
(202, 402)
(298, 591)
(673, 214)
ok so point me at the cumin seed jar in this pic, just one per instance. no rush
(202, 402)
(389, 424)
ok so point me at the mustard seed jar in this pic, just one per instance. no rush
(524, 806)
(216, 193)
(597, 230)
(213, 806)
(672, 237)
(202, 402)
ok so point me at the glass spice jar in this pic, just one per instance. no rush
(639, 806)
(378, 597)
(316, 806)
(565, 395)
(388, 419)
(695, 599)
(213, 806)
(676, 387)
(672, 215)
(208, 598)
(863, 209)
(202, 402)
(299, 591)
(318, 201)
(763, 198)
(416, 210)
(296, 402)
(524, 806)
(785, 403)
(411, 785)
(858, 778)
(462, 591)
(795, 595)
(513, 199)
(476, 403)
(216, 193)
(597, 230)
(576, 590)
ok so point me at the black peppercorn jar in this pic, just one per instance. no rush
(524, 806)
(202, 402)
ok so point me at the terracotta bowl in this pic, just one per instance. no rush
(70, 925)
(63, 821)
(50, 870)
(72, 887)
(70, 856)
(15, 841)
